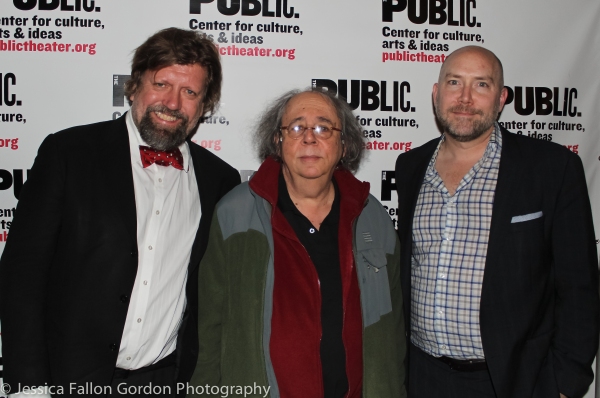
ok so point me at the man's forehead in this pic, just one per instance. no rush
(179, 67)
(457, 74)
(323, 106)
(473, 61)
(310, 100)
(178, 70)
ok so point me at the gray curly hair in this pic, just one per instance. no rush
(266, 132)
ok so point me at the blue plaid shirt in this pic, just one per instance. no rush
(450, 241)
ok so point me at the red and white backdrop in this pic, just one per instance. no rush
(64, 63)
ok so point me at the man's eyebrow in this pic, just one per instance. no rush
(320, 118)
(482, 77)
(296, 119)
(324, 119)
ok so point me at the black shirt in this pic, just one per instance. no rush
(322, 247)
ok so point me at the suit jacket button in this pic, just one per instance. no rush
(113, 347)
(134, 253)
(124, 298)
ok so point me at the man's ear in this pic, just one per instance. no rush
(132, 96)
(278, 140)
(503, 96)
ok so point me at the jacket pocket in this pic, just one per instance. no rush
(528, 224)
(375, 298)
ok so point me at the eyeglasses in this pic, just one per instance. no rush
(295, 131)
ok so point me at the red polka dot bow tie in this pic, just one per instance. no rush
(161, 158)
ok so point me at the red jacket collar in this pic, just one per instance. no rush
(353, 192)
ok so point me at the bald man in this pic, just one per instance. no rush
(499, 267)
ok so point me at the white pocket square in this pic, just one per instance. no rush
(526, 217)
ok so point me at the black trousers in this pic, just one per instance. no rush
(157, 380)
(430, 378)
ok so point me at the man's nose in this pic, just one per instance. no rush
(172, 100)
(309, 136)
(466, 95)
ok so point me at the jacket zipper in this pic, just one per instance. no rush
(319, 314)
(354, 256)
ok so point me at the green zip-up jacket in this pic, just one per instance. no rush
(236, 295)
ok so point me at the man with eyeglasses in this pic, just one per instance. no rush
(300, 291)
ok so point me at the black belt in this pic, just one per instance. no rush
(464, 365)
(167, 361)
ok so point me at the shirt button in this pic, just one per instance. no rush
(139, 320)
(145, 282)
(128, 358)
(442, 276)
(160, 180)
(312, 230)
(443, 347)
(149, 247)
(441, 312)
(157, 212)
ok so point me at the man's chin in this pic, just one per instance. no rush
(162, 139)
(168, 131)
(163, 132)
(465, 135)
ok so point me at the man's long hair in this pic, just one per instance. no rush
(267, 134)
(174, 46)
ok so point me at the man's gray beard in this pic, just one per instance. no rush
(479, 127)
(163, 139)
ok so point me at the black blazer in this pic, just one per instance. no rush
(539, 301)
(69, 265)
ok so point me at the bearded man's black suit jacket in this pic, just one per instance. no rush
(539, 300)
(68, 268)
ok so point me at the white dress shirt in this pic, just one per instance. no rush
(168, 214)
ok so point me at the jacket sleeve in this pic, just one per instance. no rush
(230, 181)
(575, 340)
(398, 313)
(385, 340)
(212, 296)
(24, 270)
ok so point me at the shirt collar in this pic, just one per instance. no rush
(493, 147)
(285, 202)
(135, 140)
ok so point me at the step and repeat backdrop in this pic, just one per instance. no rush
(65, 62)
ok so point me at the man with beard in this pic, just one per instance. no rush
(499, 264)
(99, 276)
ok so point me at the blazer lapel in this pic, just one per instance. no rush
(118, 176)
(415, 185)
(413, 188)
(207, 203)
(511, 189)
(408, 194)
